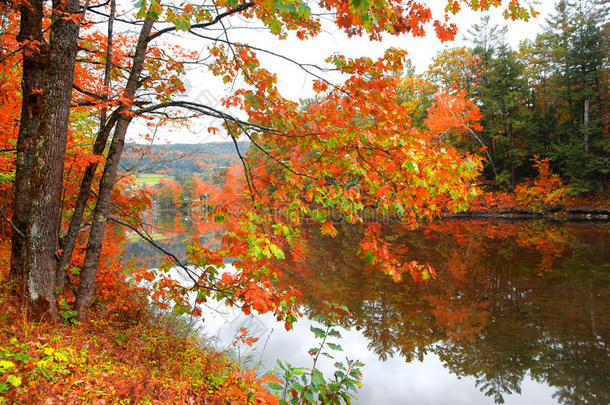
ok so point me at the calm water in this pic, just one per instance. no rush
(518, 312)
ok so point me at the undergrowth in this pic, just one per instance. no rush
(149, 359)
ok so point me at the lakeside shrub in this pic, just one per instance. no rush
(545, 192)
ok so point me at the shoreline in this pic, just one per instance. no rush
(513, 213)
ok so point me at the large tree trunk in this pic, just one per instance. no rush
(32, 76)
(46, 176)
(96, 234)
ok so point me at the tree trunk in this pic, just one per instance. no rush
(68, 242)
(586, 124)
(96, 234)
(31, 80)
(509, 132)
(46, 177)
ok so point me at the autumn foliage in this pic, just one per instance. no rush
(355, 163)
(545, 191)
(69, 93)
(150, 358)
(354, 146)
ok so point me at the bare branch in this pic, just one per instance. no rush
(189, 272)
(7, 219)
(303, 66)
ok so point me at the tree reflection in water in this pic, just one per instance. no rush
(509, 299)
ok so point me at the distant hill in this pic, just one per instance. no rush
(181, 160)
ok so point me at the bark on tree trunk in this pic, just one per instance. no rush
(32, 76)
(96, 234)
(509, 131)
(46, 179)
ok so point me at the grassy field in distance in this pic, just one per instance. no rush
(150, 179)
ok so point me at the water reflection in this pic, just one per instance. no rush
(172, 230)
(510, 299)
(514, 305)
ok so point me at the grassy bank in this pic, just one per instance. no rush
(144, 358)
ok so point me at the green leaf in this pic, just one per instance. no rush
(316, 378)
(308, 396)
(361, 5)
(277, 252)
(275, 386)
(335, 346)
(141, 6)
(410, 166)
(298, 371)
(320, 318)
(14, 380)
(317, 331)
(334, 333)
(155, 10)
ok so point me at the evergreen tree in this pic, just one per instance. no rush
(577, 37)
(549, 99)
(501, 94)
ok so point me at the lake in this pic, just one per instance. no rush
(517, 313)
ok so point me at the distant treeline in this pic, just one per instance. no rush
(181, 161)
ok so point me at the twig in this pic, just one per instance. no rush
(216, 19)
(11, 223)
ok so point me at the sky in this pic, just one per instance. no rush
(294, 83)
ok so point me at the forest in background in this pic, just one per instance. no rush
(180, 160)
(548, 98)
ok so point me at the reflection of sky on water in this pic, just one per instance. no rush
(393, 381)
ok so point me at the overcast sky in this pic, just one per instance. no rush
(296, 84)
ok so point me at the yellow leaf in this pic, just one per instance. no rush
(14, 380)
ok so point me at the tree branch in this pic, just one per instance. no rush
(7, 219)
(190, 273)
(216, 19)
